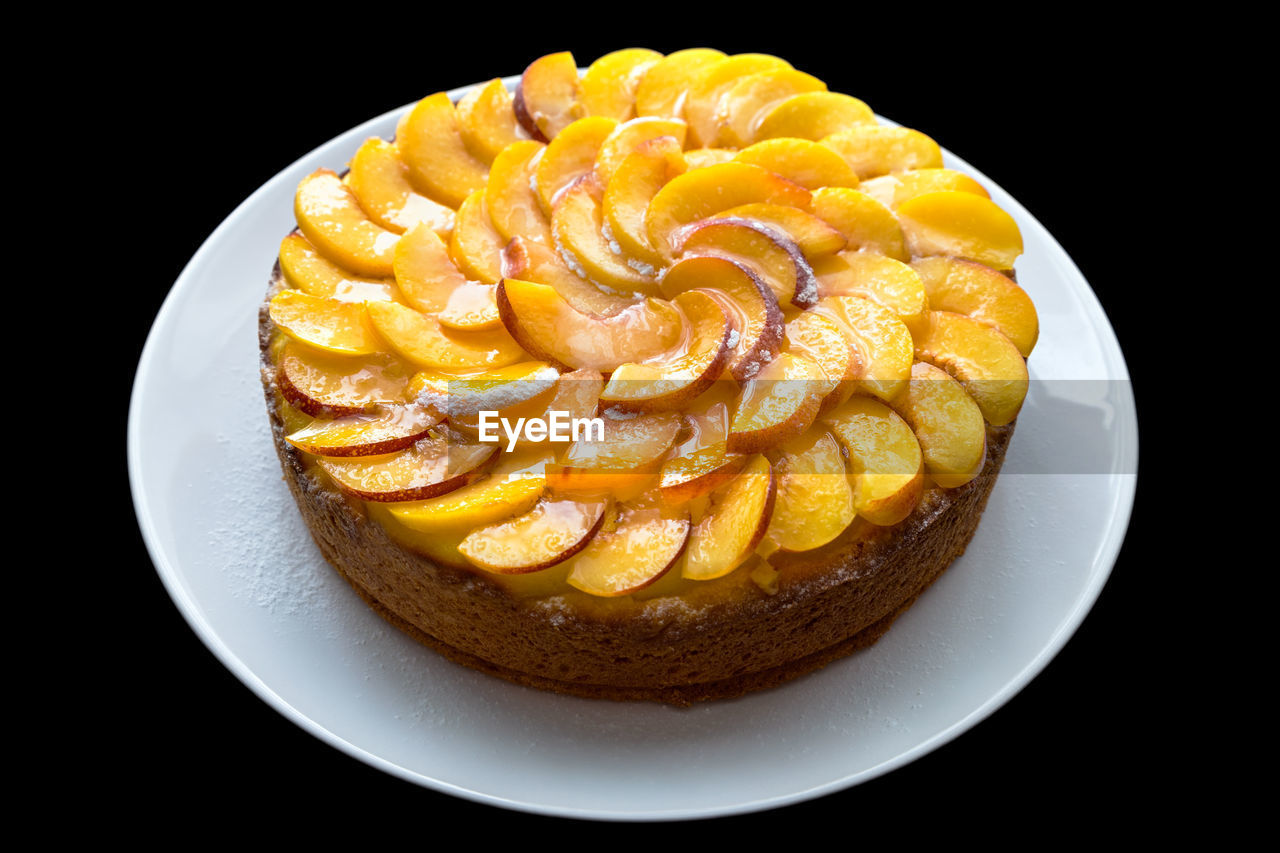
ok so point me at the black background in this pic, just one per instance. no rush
(1055, 115)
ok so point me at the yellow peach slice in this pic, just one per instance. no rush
(569, 156)
(630, 190)
(701, 193)
(866, 223)
(884, 459)
(980, 292)
(701, 158)
(512, 487)
(488, 121)
(800, 161)
(307, 270)
(529, 261)
(327, 324)
(813, 116)
(431, 467)
(629, 136)
(628, 444)
(814, 237)
(883, 342)
(661, 91)
(815, 498)
(546, 100)
(960, 224)
(661, 385)
(422, 340)
(513, 204)
(578, 226)
(893, 190)
(381, 184)
(553, 330)
(770, 253)
(395, 428)
(608, 86)
(881, 279)
(550, 533)
(475, 245)
(638, 544)
(425, 273)
(336, 386)
(873, 149)
(332, 220)
(747, 101)
(735, 521)
(778, 404)
(701, 462)
(702, 103)
(822, 340)
(498, 389)
(947, 423)
(430, 144)
(984, 360)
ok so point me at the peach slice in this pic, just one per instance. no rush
(336, 386)
(430, 144)
(661, 91)
(535, 262)
(821, 339)
(460, 395)
(701, 193)
(754, 315)
(380, 181)
(814, 237)
(747, 101)
(701, 462)
(884, 459)
(307, 270)
(770, 253)
(947, 423)
(514, 484)
(961, 224)
(873, 149)
(546, 100)
(779, 403)
(881, 279)
(327, 324)
(988, 296)
(332, 220)
(701, 158)
(475, 245)
(513, 204)
(883, 342)
(425, 272)
(394, 429)
(569, 156)
(431, 467)
(734, 523)
(422, 340)
(629, 444)
(578, 226)
(661, 385)
(702, 103)
(984, 360)
(630, 190)
(629, 136)
(472, 307)
(800, 161)
(866, 223)
(815, 498)
(893, 190)
(488, 121)
(813, 116)
(638, 543)
(608, 86)
(551, 329)
(576, 395)
(550, 533)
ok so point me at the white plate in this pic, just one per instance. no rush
(233, 553)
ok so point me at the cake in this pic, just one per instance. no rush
(671, 379)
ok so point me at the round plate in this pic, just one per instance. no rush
(232, 551)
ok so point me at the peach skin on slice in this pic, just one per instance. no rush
(734, 523)
(578, 224)
(814, 237)
(866, 223)
(800, 161)
(822, 340)
(773, 255)
(422, 340)
(380, 181)
(551, 329)
(475, 245)
(881, 279)
(328, 325)
(635, 546)
(893, 190)
(608, 86)
(529, 261)
(961, 224)
(430, 144)
(395, 428)
(815, 498)
(630, 190)
(550, 533)
(661, 90)
(327, 386)
(425, 273)
(702, 103)
(546, 100)
(883, 342)
(569, 156)
(701, 193)
(778, 404)
(754, 315)
(513, 205)
(948, 424)
(514, 484)
(747, 101)
(980, 292)
(884, 459)
(629, 136)
(987, 363)
(431, 467)
(813, 116)
(307, 270)
(332, 220)
(488, 121)
(873, 149)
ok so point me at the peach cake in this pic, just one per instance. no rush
(799, 333)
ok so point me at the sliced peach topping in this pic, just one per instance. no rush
(422, 340)
(529, 261)
(800, 161)
(608, 86)
(430, 144)
(546, 101)
(813, 116)
(947, 423)
(814, 237)
(747, 101)
(380, 181)
(982, 293)
(395, 428)
(960, 224)
(638, 543)
(425, 272)
(307, 270)
(578, 226)
(628, 443)
(488, 121)
(893, 190)
(822, 340)
(984, 360)
(332, 220)
(335, 386)
(734, 523)
(701, 158)
(884, 459)
(815, 498)
(866, 223)
(550, 533)
(701, 461)
(873, 149)
(883, 342)
(770, 253)
(329, 325)
(779, 403)
(497, 389)
(629, 136)
(712, 81)
(475, 245)
(509, 488)
(568, 157)
(631, 188)
(661, 90)
(513, 205)
(431, 467)
(889, 282)
(472, 307)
